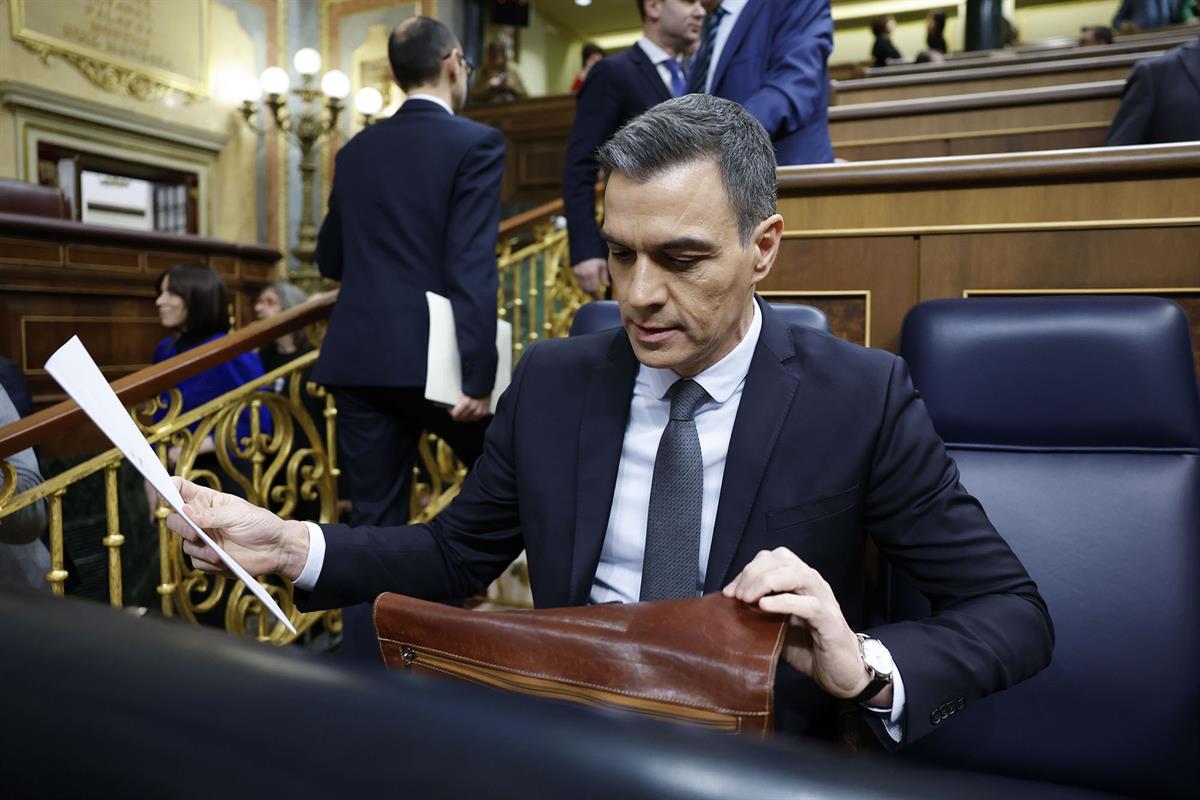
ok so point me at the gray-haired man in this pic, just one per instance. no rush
(708, 446)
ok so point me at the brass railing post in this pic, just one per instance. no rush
(114, 539)
(57, 576)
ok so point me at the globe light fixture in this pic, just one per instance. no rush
(307, 61)
(335, 84)
(368, 101)
(275, 80)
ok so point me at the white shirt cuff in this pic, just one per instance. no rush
(890, 717)
(316, 558)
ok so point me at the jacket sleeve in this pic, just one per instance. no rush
(456, 555)
(990, 627)
(1137, 104)
(597, 116)
(793, 89)
(24, 526)
(470, 268)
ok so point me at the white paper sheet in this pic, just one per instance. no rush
(78, 375)
(443, 377)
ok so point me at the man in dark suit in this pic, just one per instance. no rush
(617, 89)
(772, 57)
(1161, 101)
(708, 446)
(415, 207)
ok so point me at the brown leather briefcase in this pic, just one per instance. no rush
(708, 660)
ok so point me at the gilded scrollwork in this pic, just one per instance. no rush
(109, 77)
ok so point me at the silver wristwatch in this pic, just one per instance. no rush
(878, 663)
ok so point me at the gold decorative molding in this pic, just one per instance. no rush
(799, 295)
(113, 73)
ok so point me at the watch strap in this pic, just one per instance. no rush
(873, 688)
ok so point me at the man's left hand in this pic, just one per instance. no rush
(820, 643)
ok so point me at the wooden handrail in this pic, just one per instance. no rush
(1059, 165)
(531, 217)
(976, 100)
(146, 383)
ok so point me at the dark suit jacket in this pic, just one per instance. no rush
(617, 89)
(775, 65)
(415, 207)
(1161, 101)
(831, 445)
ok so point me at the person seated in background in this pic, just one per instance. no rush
(1135, 15)
(1161, 102)
(935, 32)
(23, 557)
(193, 304)
(272, 300)
(496, 83)
(929, 57)
(1094, 35)
(592, 53)
(883, 50)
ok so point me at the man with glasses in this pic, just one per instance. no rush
(415, 207)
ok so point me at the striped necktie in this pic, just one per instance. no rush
(678, 84)
(699, 70)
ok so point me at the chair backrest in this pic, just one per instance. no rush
(603, 315)
(1076, 422)
(18, 197)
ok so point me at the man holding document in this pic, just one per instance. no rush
(708, 446)
(415, 208)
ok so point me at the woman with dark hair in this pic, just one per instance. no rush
(935, 31)
(194, 304)
(883, 50)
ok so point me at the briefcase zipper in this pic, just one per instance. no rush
(544, 687)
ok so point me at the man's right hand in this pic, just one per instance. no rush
(261, 542)
(592, 275)
(470, 409)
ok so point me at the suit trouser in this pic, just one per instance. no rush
(378, 430)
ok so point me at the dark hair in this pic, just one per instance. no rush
(641, 4)
(416, 49)
(939, 20)
(924, 57)
(591, 49)
(1101, 33)
(879, 26)
(697, 127)
(204, 296)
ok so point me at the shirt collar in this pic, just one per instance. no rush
(432, 99)
(655, 53)
(732, 7)
(720, 380)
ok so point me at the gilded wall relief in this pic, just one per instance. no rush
(144, 48)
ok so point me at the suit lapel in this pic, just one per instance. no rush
(601, 436)
(733, 42)
(649, 72)
(766, 397)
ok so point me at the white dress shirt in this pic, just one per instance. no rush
(432, 99)
(733, 9)
(659, 58)
(619, 574)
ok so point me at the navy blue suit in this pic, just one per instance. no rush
(775, 63)
(415, 207)
(617, 89)
(1161, 102)
(831, 445)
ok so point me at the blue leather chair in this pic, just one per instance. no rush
(1076, 422)
(603, 315)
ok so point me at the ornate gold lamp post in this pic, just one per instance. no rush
(307, 127)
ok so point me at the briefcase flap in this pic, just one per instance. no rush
(708, 660)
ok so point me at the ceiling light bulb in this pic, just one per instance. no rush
(275, 80)
(368, 101)
(307, 61)
(583, 2)
(335, 84)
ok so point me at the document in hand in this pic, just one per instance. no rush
(78, 375)
(443, 377)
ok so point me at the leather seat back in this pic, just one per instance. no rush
(603, 315)
(1076, 422)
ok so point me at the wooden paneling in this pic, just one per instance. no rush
(535, 134)
(1093, 221)
(990, 78)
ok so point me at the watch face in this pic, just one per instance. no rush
(877, 657)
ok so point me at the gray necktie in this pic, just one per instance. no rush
(672, 558)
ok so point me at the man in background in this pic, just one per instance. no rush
(616, 90)
(592, 53)
(415, 208)
(1161, 102)
(772, 57)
